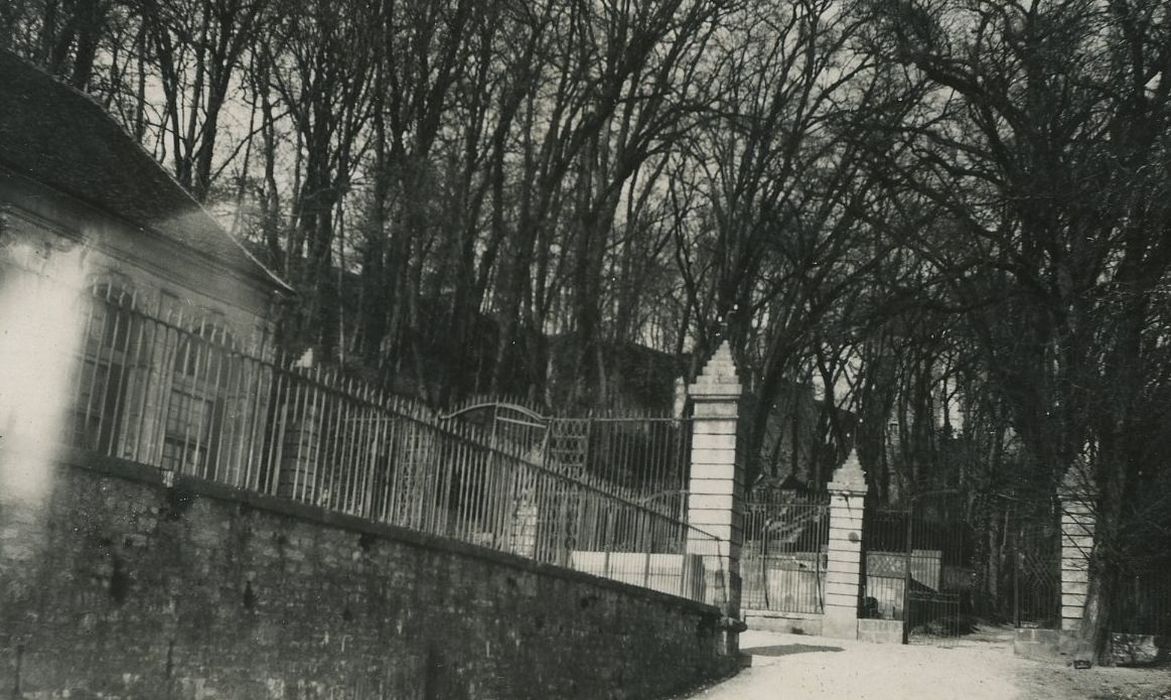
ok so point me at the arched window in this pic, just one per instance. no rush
(200, 376)
(100, 394)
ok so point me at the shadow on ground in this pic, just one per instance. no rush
(787, 649)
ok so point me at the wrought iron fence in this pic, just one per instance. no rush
(642, 456)
(1036, 575)
(783, 562)
(1143, 603)
(192, 400)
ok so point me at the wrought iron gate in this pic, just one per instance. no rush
(1034, 575)
(885, 554)
(941, 577)
(783, 561)
(916, 568)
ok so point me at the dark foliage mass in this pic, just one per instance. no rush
(952, 217)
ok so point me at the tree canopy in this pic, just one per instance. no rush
(952, 218)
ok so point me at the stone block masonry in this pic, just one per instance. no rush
(119, 587)
(844, 555)
(1077, 543)
(715, 501)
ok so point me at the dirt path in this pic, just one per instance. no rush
(1040, 681)
(796, 667)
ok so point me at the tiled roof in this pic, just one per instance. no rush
(62, 138)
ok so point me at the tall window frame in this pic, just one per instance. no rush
(196, 406)
(101, 388)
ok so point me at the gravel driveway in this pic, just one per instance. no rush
(796, 667)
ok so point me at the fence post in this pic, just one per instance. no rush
(844, 556)
(1077, 498)
(715, 501)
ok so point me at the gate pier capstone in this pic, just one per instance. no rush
(844, 557)
(715, 502)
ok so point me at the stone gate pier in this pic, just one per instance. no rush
(715, 502)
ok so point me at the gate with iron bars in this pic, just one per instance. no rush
(783, 561)
(642, 457)
(916, 567)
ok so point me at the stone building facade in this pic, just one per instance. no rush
(83, 205)
(70, 176)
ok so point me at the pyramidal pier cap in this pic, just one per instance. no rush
(849, 478)
(718, 378)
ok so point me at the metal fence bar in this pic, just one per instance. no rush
(783, 562)
(886, 562)
(1143, 602)
(641, 457)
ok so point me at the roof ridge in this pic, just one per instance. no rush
(194, 205)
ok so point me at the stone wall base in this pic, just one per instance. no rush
(1061, 646)
(880, 631)
(1139, 649)
(786, 622)
(840, 623)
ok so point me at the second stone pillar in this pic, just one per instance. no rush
(844, 556)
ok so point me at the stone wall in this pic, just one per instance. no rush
(119, 587)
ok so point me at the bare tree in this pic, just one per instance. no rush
(781, 200)
(1040, 145)
(197, 48)
(319, 60)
